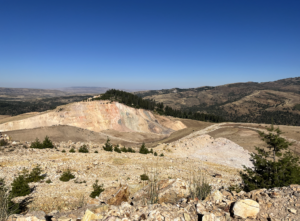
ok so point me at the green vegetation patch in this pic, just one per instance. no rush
(297, 107)
(135, 101)
(47, 143)
(97, 189)
(83, 149)
(66, 176)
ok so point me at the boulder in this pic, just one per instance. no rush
(208, 217)
(246, 209)
(89, 215)
(200, 208)
(216, 196)
(115, 195)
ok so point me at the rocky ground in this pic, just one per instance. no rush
(110, 168)
(278, 204)
(186, 161)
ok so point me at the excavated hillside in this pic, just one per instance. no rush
(98, 116)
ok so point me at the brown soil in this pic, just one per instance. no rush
(136, 137)
(192, 126)
(248, 137)
(75, 134)
(66, 133)
(4, 116)
(15, 118)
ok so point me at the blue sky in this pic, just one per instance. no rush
(147, 44)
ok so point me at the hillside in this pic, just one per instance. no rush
(240, 102)
(98, 116)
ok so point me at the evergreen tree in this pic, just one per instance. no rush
(36, 144)
(97, 189)
(144, 149)
(108, 146)
(117, 149)
(47, 143)
(274, 167)
(20, 187)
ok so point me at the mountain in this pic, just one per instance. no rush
(265, 102)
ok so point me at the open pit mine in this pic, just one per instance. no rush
(98, 116)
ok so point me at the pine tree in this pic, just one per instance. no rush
(144, 149)
(274, 167)
(108, 146)
(36, 144)
(20, 187)
(47, 143)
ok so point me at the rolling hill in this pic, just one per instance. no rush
(266, 102)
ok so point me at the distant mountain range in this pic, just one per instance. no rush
(22, 94)
(277, 101)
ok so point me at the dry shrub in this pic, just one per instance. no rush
(7, 208)
(199, 187)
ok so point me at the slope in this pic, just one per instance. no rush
(98, 116)
(242, 102)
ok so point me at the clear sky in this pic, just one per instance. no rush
(147, 44)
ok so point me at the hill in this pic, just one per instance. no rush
(277, 101)
(97, 116)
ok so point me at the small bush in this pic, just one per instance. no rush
(34, 175)
(97, 189)
(144, 149)
(96, 151)
(3, 142)
(79, 182)
(130, 150)
(144, 177)
(36, 144)
(72, 150)
(201, 189)
(117, 149)
(235, 188)
(63, 151)
(47, 143)
(83, 149)
(108, 146)
(155, 154)
(66, 176)
(124, 149)
(20, 187)
(48, 181)
(161, 155)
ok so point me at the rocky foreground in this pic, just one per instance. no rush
(168, 195)
(278, 204)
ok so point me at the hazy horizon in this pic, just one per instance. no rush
(143, 45)
(133, 89)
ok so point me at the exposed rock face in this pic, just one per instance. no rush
(246, 208)
(98, 116)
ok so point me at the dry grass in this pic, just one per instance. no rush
(120, 161)
(60, 203)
